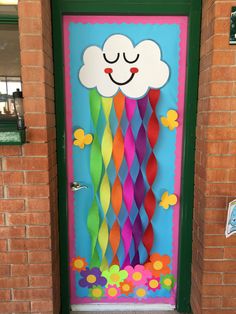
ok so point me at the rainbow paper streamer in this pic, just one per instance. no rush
(116, 194)
(153, 129)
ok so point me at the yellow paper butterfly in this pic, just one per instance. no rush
(170, 120)
(81, 139)
(168, 200)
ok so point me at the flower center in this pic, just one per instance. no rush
(125, 287)
(158, 265)
(97, 293)
(137, 276)
(141, 292)
(78, 263)
(115, 277)
(167, 282)
(112, 292)
(153, 283)
(91, 278)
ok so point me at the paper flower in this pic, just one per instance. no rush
(92, 277)
(81, 139)
(168, 200)
(114, 275)
(96, 292)
(126, 287)
(158, 265)
(112, 291)
(168, 282)
(140, 292)
(153, 284)
(170, 120)
(78, 263)
(138, 275)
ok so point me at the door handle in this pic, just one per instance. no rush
(75, 186)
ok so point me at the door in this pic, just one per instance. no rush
(124, 87)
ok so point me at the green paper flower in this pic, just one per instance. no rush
(168, 282)
(114, 275)
(96, 292)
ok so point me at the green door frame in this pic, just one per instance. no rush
(190, 8)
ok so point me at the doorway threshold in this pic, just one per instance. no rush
(129, 307)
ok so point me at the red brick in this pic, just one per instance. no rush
(213, 253)
(40, 281)
(30, 26)
(37, 177)
(32, 74)
(31, 42)
(40, 257)
(14, 307)
(41, 306)
(212, 278)
(4, 270)
(32, 58)
(5, 295)
(32, 294)
(30, 244)
(230, 253)
(13, 257)
(10, 151)
(27, 163)
(12, 232)
(3, 245)
(38, 231)
(13, 177)
(39, 149)
(229, 279)
(14, 282)
(2, 219)
(229, 302)
(38, 204)
(34, 269)
(211, 302)
(9, 205)
(28, 191)
(29, 219)
(28, 9)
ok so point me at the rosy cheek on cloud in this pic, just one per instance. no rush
(108, 70)
(134, 70)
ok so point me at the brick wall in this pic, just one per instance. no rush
(28, 205)
(214, 256)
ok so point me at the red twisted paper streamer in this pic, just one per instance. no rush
(153, 129)
(116, 193)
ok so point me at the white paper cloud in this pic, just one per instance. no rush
(120, 65)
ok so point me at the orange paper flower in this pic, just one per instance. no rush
(126, 287)
(158, 265)
(78, 263)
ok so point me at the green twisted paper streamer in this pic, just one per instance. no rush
(105, 190)
(96, 172)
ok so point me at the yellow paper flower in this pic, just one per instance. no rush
(168, 200)
(81, 139)
(170, 120)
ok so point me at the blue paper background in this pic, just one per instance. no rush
(167, 37)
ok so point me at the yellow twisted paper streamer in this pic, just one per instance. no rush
(105, 191)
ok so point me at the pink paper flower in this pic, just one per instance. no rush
(138, 275)
(112, 291)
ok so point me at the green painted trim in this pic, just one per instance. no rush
(187, 193)
(191, 8)
(8, 19)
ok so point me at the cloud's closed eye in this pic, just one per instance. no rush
(111, 61)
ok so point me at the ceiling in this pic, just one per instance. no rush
(9, 45)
